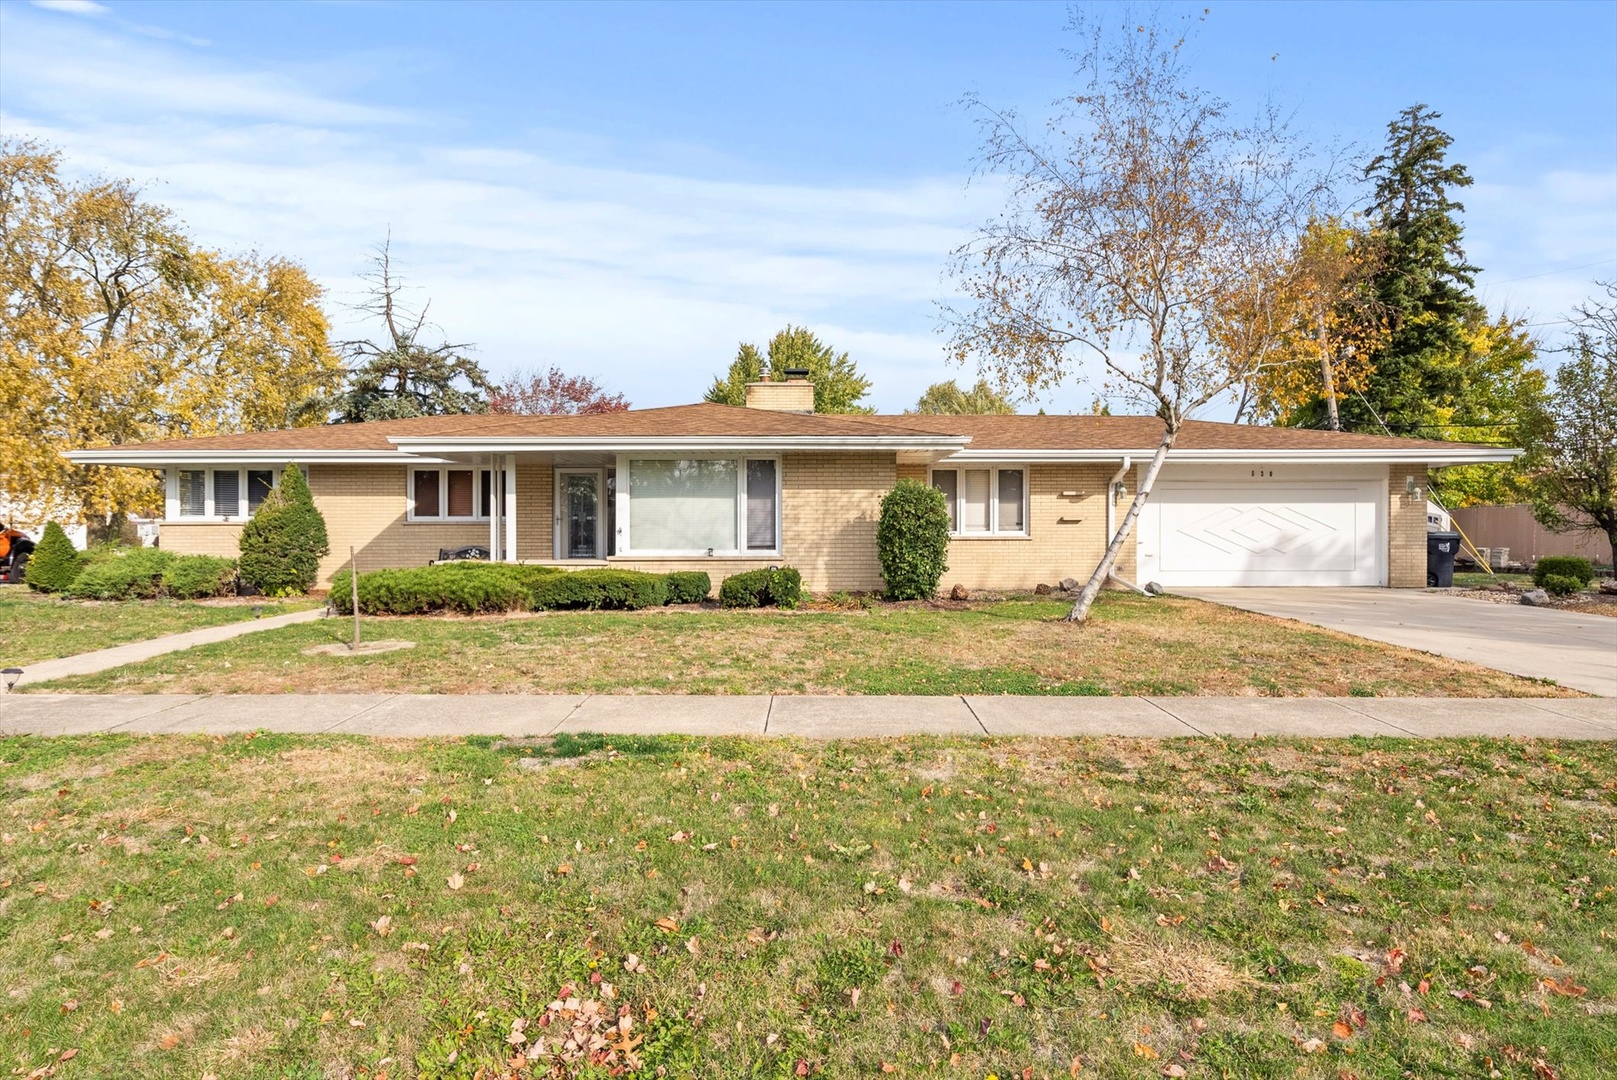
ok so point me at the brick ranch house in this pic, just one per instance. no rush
(725, 489)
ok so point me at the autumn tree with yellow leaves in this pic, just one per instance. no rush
(116, 327)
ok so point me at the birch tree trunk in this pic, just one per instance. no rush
(1327, 375)
(1097, 580)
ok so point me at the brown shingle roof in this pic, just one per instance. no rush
(1020, 432)
(1088, 432)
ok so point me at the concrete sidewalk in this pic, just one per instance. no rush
(411, 715)
(105, 659)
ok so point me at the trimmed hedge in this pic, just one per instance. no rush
(149, 573)
(1575, 567)
(468, 588)
(192, 577)
(475, 588)
(912, 540)
(595, 589)
(54, 563)
(688, 586)
(781, 587)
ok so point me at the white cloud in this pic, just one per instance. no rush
(73, 7)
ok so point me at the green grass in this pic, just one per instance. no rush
(1130, 646)
(34, 627)
(280, 906)
(1480, 578)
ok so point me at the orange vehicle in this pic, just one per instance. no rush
(15, 547)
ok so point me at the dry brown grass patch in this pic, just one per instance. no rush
(1190, 967)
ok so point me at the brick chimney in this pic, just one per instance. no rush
(796, 394)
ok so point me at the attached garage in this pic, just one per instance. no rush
(1265, 526)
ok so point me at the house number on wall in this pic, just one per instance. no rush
(1263, 472)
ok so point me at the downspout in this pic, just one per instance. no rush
(1111, 498)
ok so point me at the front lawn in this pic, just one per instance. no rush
(35, 627)
(277, 906)
(1131, 646)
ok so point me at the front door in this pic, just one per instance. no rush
(578, 514)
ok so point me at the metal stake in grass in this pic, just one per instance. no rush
(353, 584)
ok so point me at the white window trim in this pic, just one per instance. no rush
(624, 551)
(479, 511)
(171, 495)
(994, 532)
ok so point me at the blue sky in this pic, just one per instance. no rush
(629, 190)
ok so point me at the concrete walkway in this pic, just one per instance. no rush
(1573, 649)
(104, 659)
(409, 715)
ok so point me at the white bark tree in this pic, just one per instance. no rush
(1147, 228)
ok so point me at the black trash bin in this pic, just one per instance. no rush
(1441, 547)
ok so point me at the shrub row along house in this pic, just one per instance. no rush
(724, 489)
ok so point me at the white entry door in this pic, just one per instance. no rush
(1264, 532)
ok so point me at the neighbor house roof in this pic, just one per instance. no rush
(723, 427)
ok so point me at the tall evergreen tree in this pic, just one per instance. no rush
(1422, 283)
(838, 386)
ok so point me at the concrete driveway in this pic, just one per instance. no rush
(1575, 650)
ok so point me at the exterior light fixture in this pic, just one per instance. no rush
(1412, 488)
(11, 675)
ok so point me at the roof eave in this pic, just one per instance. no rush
(1373, 455)
(153, 459)
(678, 443)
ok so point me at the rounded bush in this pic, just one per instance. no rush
(135, 574)
(593, 589)
(1559, 584)
(688, 586)
(281, 547)
(468, 588)
(193, 577)
(1579, 569)
(780, 587)
(54, 563)
(912, 540)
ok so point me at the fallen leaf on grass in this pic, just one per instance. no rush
(456, 880)
(667, 925)
(1341, 1030)
(383, 925)
(694, 946)
(1174, 1069)
(1564, 988)
(1142, 1050)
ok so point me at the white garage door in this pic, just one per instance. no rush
(1197, 532)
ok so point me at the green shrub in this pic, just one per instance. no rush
(1578, 569)
(54, 563)
(912, 540)
(782, 587)
(688, 586)
(469, 588)
(192, 577)
(1558, 584)
(134, 574)
(594, 589)
(281, 547)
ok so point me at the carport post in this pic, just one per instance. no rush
(509, 505)
(353, 584)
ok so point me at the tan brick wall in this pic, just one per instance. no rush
(200, 538)
(830, 504)
(536, 496)
(1066, 534)
(1406, 528)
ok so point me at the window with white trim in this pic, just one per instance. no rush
(700, 506)
(986, 501)
(217, 494)
(449, 494)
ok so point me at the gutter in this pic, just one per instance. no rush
(1372, 456)
(1111, 514)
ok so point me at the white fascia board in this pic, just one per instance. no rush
(1457, 456)
(681, 444)
(155, 459)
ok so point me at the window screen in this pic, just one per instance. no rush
(974, 500)
(227, 493)
(193, 493)
(761, 506)
(948, 482)
(259, 484)
(1010, 500)
(426, 493)
(460, 493)
(485, 504)
(682, 505)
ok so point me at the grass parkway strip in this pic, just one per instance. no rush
(270, 906)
